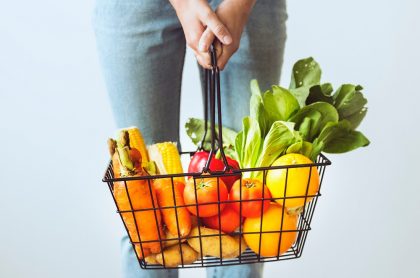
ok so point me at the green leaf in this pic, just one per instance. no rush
(307, 149)
(295, 147)
(340, 138)
(280, 104)
(195, 130)
(350, 104)
(239, 146)
(278, 139)
(356, 118)
(307, 124)
(257, 109)
(255, 88)
(320, 93)
(252, 146)
(305, 72)
(317, 147)
(248, 143)
(301, 94)
(311, 119)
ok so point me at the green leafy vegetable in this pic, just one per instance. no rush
(248, 143)
(276, 104)
(257, 110)
(254, 151)
(302, 147)
(320, 93)
(307, 118)
(305, 74)
(311, 119)
(278, 139)
(195, 130)
(280, 104)
(339, 138)
(350, 104)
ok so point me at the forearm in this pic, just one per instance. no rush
(245, 6)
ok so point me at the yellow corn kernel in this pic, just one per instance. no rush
(167, 159)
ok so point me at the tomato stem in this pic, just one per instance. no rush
(202, 184)
(249, 184)
(295, 211)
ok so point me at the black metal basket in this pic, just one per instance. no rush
(248, 256)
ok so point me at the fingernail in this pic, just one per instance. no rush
(227, 39)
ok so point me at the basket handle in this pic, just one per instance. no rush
(212, 97)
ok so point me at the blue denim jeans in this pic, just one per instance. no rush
(141, 48)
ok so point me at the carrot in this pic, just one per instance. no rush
(145, 225)
(165, 195)
(141, 255)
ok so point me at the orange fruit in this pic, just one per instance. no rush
(271, 221)
(298, 180)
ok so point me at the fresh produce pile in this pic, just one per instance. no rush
(183, 218)
(156, 209)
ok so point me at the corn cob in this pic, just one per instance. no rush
(170, 192)
(167, 159)
(137, 142)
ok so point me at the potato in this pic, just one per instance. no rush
(173, 256)
(169, 243)
(151, 259)
(211, 244)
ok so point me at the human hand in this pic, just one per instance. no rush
(234, 14)
(195, 17)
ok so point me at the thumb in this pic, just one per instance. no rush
(216, 26)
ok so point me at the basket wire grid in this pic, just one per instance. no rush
(303, 226)
(212, 86)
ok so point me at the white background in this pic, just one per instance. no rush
(57, 217)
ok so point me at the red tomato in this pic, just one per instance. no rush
(199, 160)
(206, 191)
(229, 220)
(251, 189)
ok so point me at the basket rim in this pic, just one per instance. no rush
(324, 162)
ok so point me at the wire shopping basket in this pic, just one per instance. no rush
(276, 234)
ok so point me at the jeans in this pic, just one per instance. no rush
(141, 48)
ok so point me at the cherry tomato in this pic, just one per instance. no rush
(229, 220)
(206, 191)
(251, 189)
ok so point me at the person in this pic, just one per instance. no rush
(141, 46)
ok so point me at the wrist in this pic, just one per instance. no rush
(245, 6)
(248, 5)
(177, 4)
